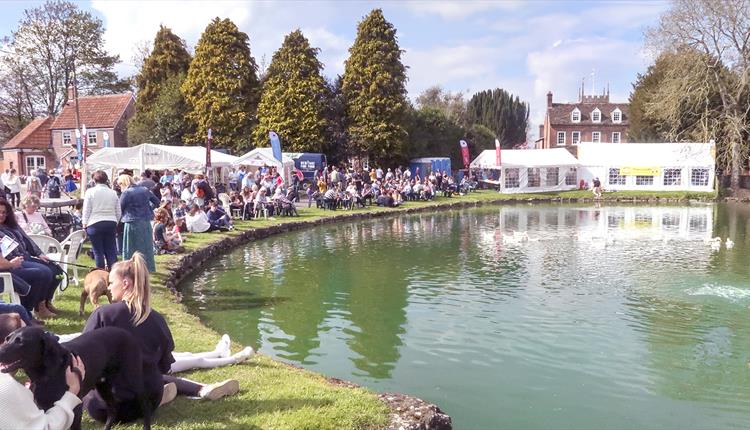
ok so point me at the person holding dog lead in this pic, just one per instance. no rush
(17, 401)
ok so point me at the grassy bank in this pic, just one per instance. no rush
(275, 395)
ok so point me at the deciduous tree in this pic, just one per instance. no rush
(54, 39)
(720, 30)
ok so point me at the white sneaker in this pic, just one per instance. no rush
(220, 389)
(244, 354)
(224, 346)
(169, 393)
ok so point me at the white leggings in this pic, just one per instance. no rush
(183, 360)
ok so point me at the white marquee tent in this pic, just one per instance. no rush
(260, 157)
(530, 170)
(649, 166)
(191, 159)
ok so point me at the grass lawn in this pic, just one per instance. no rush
(274, 395)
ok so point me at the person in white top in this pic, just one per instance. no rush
(197, 221)
(31, 221)
(17, 401)
(14, 185)
(101, 213)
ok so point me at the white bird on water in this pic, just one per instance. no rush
(730, 243)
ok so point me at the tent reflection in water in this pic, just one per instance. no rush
(529, 170)
(191, 159)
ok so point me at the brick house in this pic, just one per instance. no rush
(51, 142)
(592, 119)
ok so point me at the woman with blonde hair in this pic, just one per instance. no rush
(137, 204)
(131, 310)
(30, 220)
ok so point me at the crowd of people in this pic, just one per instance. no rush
(356, 187)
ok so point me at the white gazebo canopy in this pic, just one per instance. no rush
(260, 157)
(646, 154)
(191, 159)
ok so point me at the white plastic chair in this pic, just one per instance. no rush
(52, 249)
(7, 288)
(71, 248)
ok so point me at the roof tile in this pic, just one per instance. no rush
(36, 135)
(95, 111)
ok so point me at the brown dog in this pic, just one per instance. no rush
(94, 286)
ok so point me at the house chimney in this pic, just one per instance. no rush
(549, 99)
(71, 93)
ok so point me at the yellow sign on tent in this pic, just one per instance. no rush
(640, 171)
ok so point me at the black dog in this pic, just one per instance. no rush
(112, 360)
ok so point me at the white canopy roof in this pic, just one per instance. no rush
(525, 158)
(646, 154)
(259, 157)
(148, 156)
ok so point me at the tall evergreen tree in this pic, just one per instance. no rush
(501, 112)
(374, 86)
(160, 107)
(222, 87)
(294, 97)
(169, 57)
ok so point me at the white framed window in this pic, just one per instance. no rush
(644, 180)
(617, 116)
(571, 177)
(575, 137)
(596, 115)
(552, 176)
(615, 137)
(92, 138)
(615, 178)
(511, 178)
(699, 177)
(672, 176)
(596, 136)
(34, 162)
(560, 138)
(575, 116)
(534, 177)
(67, 139)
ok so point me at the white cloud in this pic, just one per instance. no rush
(334, 49)
(458, 10)
(129, 22)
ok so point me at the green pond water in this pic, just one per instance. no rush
(614, 317)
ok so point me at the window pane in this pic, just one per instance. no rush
(561, 138)
(644, 180)
(699, 177)
(511, 178)
(595, 136)
(615, 178)
(616, 137)
(672, 176)
(576, 137)
(66, 138)
(551, 179)
(535, 178)
(571, 178)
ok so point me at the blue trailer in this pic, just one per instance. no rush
(308, 163)
(429, 164)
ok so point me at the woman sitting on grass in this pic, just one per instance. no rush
(131, 310)
(164, 242)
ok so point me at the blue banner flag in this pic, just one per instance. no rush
(275, 145)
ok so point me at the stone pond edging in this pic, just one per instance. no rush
(406, 412)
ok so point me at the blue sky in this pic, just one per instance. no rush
(525, 47)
